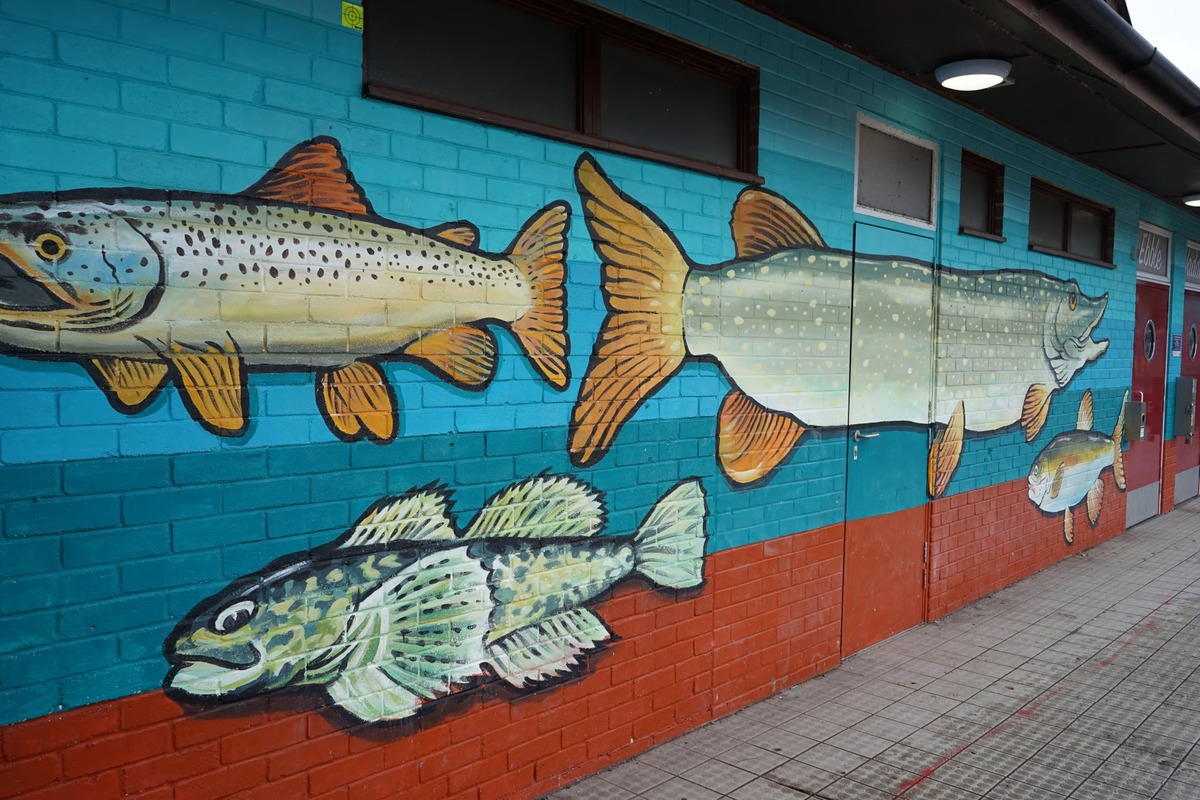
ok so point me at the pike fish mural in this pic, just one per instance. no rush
(295, 273)
(405, 607)
(777, 319)
(1067, 472)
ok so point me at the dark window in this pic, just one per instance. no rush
(981, 198)
(568, 71)
(895, 173)
(1066, 224)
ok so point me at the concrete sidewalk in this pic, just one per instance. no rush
(1080, 681)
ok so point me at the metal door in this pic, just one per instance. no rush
(1143, 462)
(1187, 452)
(888, 435)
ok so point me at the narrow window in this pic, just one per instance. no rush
(1065, 224)
(569, 71)
(896, 174)
(981, 197)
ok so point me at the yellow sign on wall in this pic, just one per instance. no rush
(352, 16)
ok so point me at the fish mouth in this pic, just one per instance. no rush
(204, 678)
(20, 291)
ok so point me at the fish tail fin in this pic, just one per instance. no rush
(669, 545)
(640, 344)
(540, 252)
(946, 451)
(1119, 457)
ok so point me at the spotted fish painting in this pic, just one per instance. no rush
(406, 607)
(295, 273)
(777, 320)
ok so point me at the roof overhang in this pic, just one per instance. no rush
(1083, 80)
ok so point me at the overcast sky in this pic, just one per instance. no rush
(1173, 27)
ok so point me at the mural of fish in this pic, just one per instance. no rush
(297, 272)
(405, 608)
(1067, 471)
(777, 320)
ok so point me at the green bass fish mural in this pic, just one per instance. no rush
(777, 320)
(297, 272)
(1068, 470)
(405, 608)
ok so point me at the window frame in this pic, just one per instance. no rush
(594, 26)
(994, 172)
(1074, 200)
(864, 120)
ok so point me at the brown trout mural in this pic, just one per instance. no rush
(1067, 471)
(296, 273)
(406, 607)
(777, 320)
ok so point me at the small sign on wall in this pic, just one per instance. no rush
(1176, 345)
(352, 16)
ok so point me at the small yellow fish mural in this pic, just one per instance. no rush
(295, 273)
(1068, 470)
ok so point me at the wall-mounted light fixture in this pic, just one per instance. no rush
(973, 74)
(1192, 200)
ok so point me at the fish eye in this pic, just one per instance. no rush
(233, 617)
(1073, 300)
(1037, 470)
(49, 246)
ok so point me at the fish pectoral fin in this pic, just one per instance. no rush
(463, 355)
(1085, 420)
(1057, 484)
(357, 402)
(1034, 411)
(548, 506)
(212, 382)
(461, 233)
(313, 173)
(130, 384)
(1069, 526)
(946, 451)
(540, 252)
(763, 223)
(669, 545)
(1118, 462)
(421, 515)
(551, 649)
(370, 695)
(752, 439)
(1095, 497)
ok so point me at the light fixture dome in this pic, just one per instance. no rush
(1192, 200)
(973, 74)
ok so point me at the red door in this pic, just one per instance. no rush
(1187, 450)
(1143, 463)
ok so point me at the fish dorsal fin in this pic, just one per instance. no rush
(946, 451)
(461, 233)
(545, 507)
(463, 355)
(1057, 484)
(1085, 420)
(764, 223)
(212, 382)
(129, 384)
(422, 515)
(1069, 526)
(313, 173)
(1095, 497)
(357, 402)
(551, 649)
(751, 439)
(1034, 411)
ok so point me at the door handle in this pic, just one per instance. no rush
(859, 436)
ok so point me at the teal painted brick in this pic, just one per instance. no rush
(29, 702)
(27, 113)
(48, 663)
(313, 459)
(243, 559)
(25, 631)
(215, 144)
(170, 104)
(115, 547)
(299, 33)
(162, 573)
(453, 448)
(171, 35)
(142, 645)
(405, 450)
(348, 485)
(100, 477)
(68, 157)
(92, 17)
(513, 442)
(312, 518)
(337, 75)
(259, 57)
(355, 138)
(455, 131)
(45, 517)
(115, 681)
(152, 438)
(111, 616)
(344, 43)
(29, 409)
(227, 466)
(97, 55)
(161, 170)
(58, 83)
(88, 408)
(440, 181)
(267, 122)
(300, 7)
(484, 471)
(65, 588)
(385, 116)
(305, 99)
(226, 15)
(29, 482)
(166, 505)
(212, 79)
(29, 556)
(27, 40)
(213, 534)
(271, 493)
(112, 127)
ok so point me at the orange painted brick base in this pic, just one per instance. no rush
(769, 616)
(984, 540)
